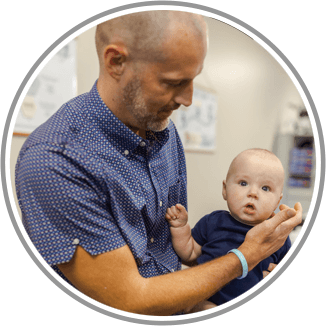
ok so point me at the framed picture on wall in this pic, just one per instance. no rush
(53, 86)
(196, 124)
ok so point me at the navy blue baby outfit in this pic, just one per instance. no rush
(218, 233)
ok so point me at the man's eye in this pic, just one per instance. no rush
(243, 183)
(175, 84)
(265, 188)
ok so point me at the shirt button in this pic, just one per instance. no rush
(75, 242)
(172, 270)
(152, 240)
(126, 152)
(142, 143)
(160, 203)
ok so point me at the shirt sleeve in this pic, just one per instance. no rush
(199, 232)
(64, 204)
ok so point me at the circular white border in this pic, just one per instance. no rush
(317, 175)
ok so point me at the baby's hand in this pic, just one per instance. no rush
(177, 216)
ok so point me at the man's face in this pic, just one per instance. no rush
(155, 90)
(254, 188)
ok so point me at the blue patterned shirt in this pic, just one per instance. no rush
(84, 178)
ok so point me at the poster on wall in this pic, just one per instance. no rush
(196, 124)
(54, 85)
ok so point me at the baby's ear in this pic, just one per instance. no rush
(224, 190)
(281, 196)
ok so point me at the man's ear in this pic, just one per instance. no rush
(114, 60)
(224, 190)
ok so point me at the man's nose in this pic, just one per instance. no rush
(185, 95)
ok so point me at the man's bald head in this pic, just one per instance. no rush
(144, 33)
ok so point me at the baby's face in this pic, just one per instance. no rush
(253, 188)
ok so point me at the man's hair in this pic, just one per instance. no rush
(143, 33)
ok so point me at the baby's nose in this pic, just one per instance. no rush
(253, 192)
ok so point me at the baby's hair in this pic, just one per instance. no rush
(260, 152)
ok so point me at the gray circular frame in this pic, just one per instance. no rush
(144, 4)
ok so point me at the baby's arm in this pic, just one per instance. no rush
(184, 244)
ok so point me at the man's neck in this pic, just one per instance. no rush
(106, 93)
(140, 132)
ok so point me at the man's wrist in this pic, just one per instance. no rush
(243, 261)
(250, 256)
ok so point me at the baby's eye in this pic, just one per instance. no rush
(265, 188)
(243, 183)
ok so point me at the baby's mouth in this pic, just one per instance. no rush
(249, 208)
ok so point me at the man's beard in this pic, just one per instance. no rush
(134, 102)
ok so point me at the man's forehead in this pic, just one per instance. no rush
(169, 73)
(183, 59)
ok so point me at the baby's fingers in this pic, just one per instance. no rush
(170, 218)
(169, 212)
(174, 211)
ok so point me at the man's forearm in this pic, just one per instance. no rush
(172, 293)
(113, 279)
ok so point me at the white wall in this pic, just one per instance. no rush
(252, 91)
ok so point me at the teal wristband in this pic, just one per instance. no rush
(243, 262)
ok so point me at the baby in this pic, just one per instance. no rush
(253, 189)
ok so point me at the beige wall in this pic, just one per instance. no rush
(252, 90)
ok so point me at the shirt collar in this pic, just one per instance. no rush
(116, 131)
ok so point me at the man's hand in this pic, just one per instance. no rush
(177, 216)
(267, 237)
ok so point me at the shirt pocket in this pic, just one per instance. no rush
(174, 193)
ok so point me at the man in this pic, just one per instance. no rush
(95, 180)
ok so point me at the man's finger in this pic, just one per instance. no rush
(298, 206)
(293, 222)
(282, 216)
(283, 206)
